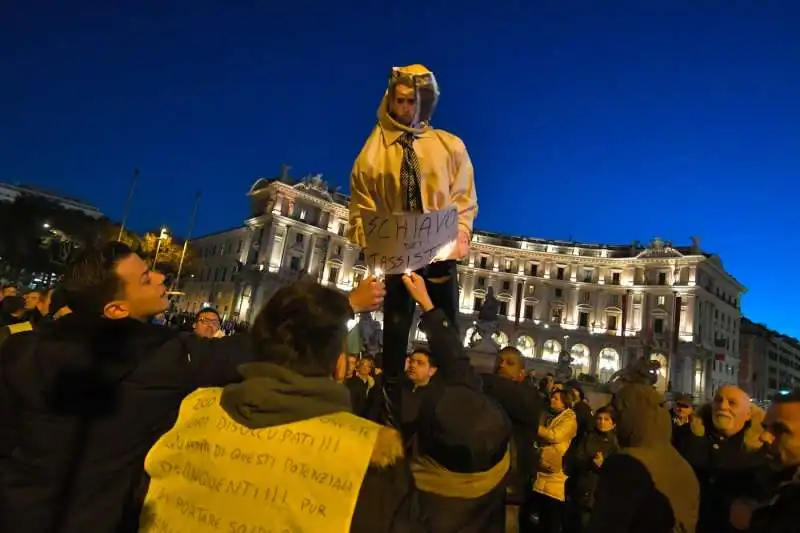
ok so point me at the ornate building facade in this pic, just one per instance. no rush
(770, 361)
(604, 304)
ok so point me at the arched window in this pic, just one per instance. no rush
(550, 350)
(607, 364)
(525, 345)
(581, 364)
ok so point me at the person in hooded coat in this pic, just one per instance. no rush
(407, 166)
(290, 403)
(648, 486)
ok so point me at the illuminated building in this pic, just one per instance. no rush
(606, 304)
(770, 361)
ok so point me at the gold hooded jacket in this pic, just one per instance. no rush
(447, 174)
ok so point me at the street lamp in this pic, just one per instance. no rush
(161, 238)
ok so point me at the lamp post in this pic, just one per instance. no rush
(164, 235)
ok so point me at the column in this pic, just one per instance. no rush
(512, 303)
(278, 245)
(571, 312)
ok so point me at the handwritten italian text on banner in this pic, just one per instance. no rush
(408, 241)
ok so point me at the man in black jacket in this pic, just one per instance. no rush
(523, 405)
(84, 399)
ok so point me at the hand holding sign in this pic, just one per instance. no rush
(409, 241)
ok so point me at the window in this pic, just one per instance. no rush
(556, 315)
(583, 319)
(661, 300)
(658, 326)
(587, 275)
(239, 248)
(333, 275)
(340, 231)
(503, 308)
(615, 278)
(560, 273)
(528, 312)
(361, 256)
(559, 292)
(481, 282)
(534, 270)
(586, 297)
(508, 265)
(477, 303)
(298, 238)
(662, 278)
(613, 300)
(506, 285)
(611, 323)
(294, 264)
(224, 274)
(302, 214)
(484, 260)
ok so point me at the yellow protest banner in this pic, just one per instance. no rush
(210, 473)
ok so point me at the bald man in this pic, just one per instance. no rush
(523, 405)
(727, 454)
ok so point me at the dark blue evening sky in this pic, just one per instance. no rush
(600, 121)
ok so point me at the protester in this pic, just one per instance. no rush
(555, 436)
(725, 450)
(207, 324)
(523, 405)
(781, 436)
(289, 390)
(361, 385)
(682, 411)
(648, 486)
(585, 461)
(460, 462)
(88, 396)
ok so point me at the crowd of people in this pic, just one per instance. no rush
(113, 423)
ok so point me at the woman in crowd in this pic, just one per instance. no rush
(584, 462)
(555, 436)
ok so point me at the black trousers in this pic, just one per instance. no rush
(398, 311)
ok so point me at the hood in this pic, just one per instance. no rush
(752, 430)
(74, 362)
(427, 95)
(641, 415)
(271, 395)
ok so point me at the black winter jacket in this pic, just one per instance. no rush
(82, 401)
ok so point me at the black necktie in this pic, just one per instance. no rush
(410, 175)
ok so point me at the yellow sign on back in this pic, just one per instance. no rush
(210, 473)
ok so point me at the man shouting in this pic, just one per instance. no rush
(406, 166)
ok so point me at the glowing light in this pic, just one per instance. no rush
(446, 251)
(408, 272)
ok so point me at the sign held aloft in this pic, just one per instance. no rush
(408, 241)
